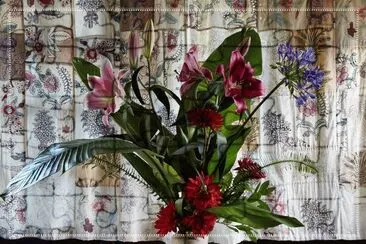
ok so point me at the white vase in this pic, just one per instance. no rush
(182, 239)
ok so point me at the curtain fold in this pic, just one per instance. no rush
(42, 103)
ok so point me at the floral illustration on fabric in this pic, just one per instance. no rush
(318, 218)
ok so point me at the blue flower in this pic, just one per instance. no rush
(307, 57)
(301, 100)
(286, 51)
(314, 76)
(302, 77)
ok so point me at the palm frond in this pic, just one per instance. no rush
(291, 160)
(62, 157)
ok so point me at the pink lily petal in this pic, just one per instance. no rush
(221, 70)
(186, 87)
(108, 75)
(237, 66)
(117, 103)
(122, 74)
(241, 106)
(98, 86)
(240, 83)
(105, 120)
(191, 70)
(207, 73)
(256, 89)
(249, 71)
(107, 112)
(94, 101)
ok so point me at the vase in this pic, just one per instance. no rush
(187, 239)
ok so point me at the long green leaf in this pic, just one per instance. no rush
(169, 92)
(84, 68)
(147, 173)
(247, 213)
(63, 156)
(187, 148)
(163, 98)
(164, 173)
(135, 85)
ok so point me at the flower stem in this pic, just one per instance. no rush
(149, 85)
(290, 161)
(263, 100)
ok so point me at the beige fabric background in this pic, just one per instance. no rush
(40, 37)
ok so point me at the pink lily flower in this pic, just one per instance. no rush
(240, 83)
(107, 93)
(191, 71)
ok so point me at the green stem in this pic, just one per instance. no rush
(289, 161)
(263, 100)
(149, 85)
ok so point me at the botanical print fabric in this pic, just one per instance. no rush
(42, 103)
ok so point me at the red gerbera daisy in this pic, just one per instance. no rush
(203, 194)
(200, 223)
(250, 169)
(167, 220)
(205, 117)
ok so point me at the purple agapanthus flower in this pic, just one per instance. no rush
(314, 76)
(308, 57)
(302, 76)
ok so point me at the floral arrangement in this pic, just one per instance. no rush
(192, 171)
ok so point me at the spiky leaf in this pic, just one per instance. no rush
(63, 156)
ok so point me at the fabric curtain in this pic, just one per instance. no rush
(42, 103)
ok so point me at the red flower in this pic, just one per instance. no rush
(205, 117)
(200, 223)
(250, 169)
(167, 220)
(204, 194)
(191, 71)
(240, 83)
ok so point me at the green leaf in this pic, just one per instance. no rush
(127, 88)
(162, 171)
(146, 172)
(135, 85)
(162, 143)
(179, 206)
(240, 215)
(84, 68)
(234, 143)
(163, 98)
(223, 53)
(251, 233)
(169, 92)
(187, 148)
(63, 156)
(226, 181)
(248, 213)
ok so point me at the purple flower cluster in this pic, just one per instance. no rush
(293, 55)
(301, 75)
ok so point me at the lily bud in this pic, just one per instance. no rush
(133, 50)
(149, 38)
(244, 46)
